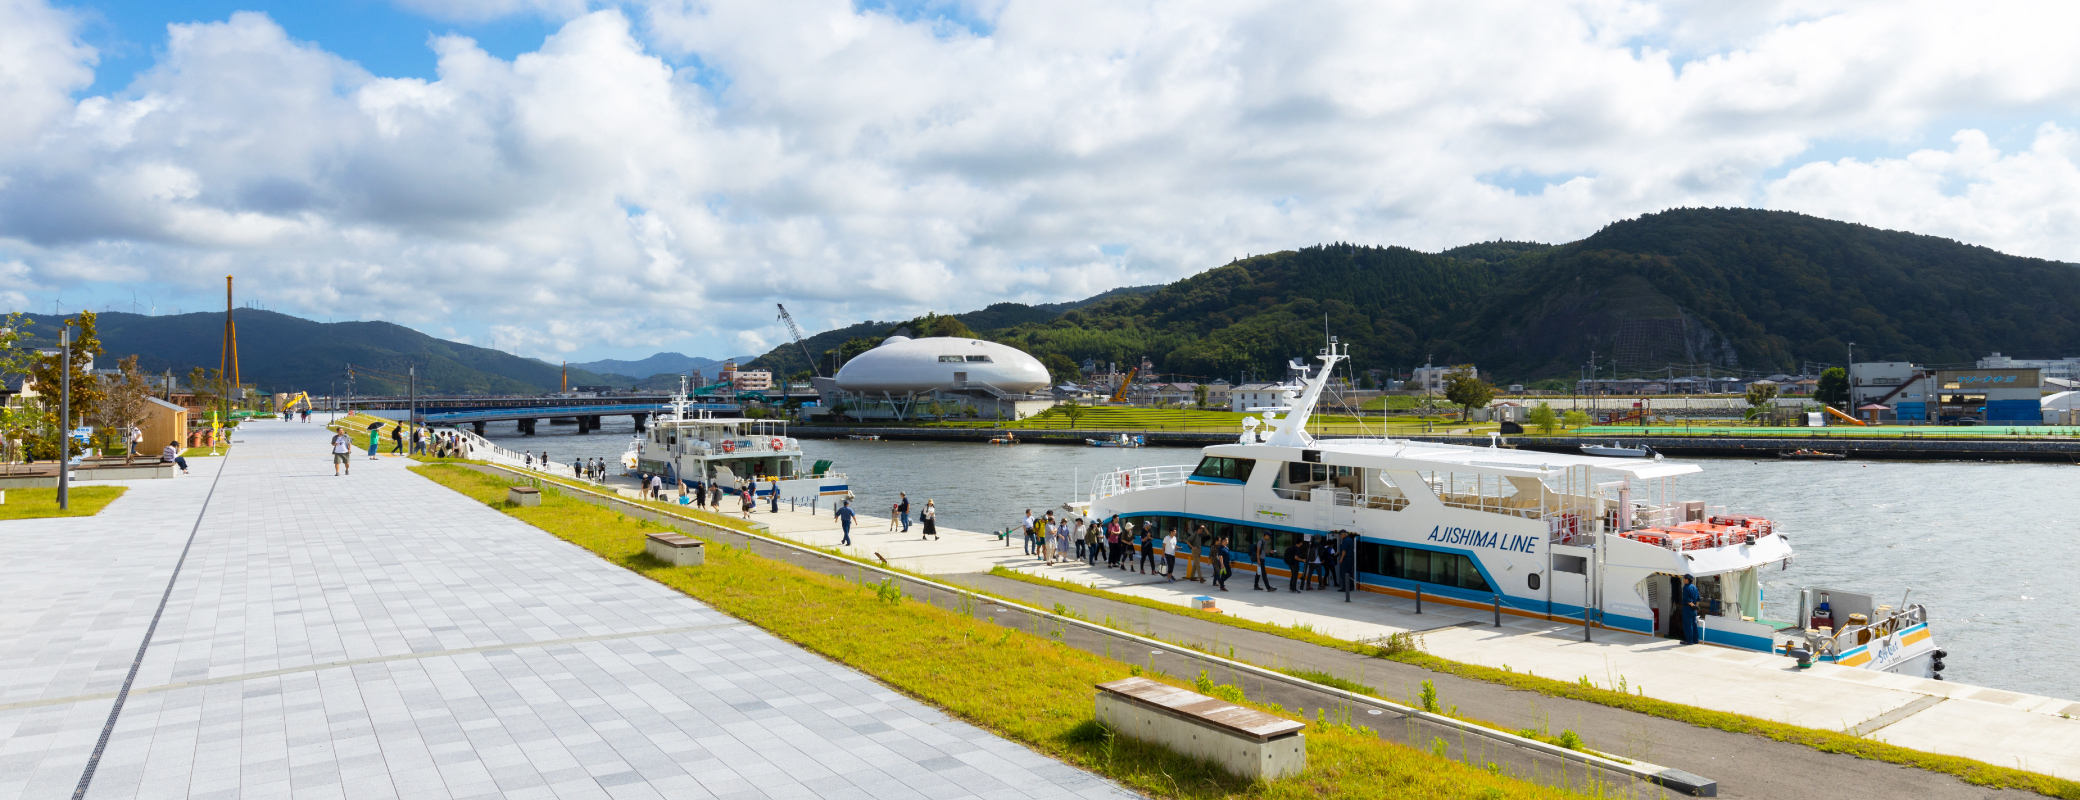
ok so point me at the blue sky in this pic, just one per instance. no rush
(660, 172)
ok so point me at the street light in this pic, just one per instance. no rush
(65, 418)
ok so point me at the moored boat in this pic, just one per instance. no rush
(1121, 440)
(1615, 450)
(1599, 541)
(1809, 454)
(737, 454)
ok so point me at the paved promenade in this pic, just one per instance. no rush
(378, 636)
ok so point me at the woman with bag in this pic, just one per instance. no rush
(931, 522)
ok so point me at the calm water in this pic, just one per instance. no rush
(1982, 545)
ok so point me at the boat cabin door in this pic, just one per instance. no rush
(1567, 583)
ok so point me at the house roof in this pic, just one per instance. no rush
(157, 401)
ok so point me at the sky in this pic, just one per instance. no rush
(579, 179)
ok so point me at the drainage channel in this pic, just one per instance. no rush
(1483, 747)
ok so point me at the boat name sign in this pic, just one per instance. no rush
(1509, 542)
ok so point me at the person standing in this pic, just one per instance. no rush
(133, 440)
(1148, 548)
(775, 500)
(1170, 555)
(1093, 541)
(1296, 566)
(930, 518)
(375, 433)
(903, 509)
(715, 501)
(1076, 533)
(892, 516)
(845, 515)
(1041, 537)
(172, 455)
(1220, 563)
(1199, 539)
(1691, 600)
(342, 447)
(1112, 542)
(1262, 555)
(1026, 530)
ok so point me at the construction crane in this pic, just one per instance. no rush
(1125, 384)
(796, 331)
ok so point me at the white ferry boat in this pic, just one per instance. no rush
(1557, 536)
(739, 454)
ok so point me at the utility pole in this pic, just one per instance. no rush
(229, 355)
(65, 418)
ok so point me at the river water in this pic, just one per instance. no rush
(1984, 545)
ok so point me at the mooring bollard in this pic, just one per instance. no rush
(1498, 610)
(1419, 598)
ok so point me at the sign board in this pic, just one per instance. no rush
(1970, 379)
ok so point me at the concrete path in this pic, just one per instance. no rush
(377, 636)
(2031, 732)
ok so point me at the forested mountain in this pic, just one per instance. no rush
(1735, 288)
(278, 352)
(654, 365)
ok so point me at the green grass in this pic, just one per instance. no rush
(1028, 687)
(198, 452)
(86, 501)
(1127, 418)
(1971, 771)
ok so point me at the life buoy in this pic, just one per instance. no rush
(729, 447)
(779, 444)
(1126, 481)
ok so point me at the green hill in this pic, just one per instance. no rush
(1759, 291)
(278, 352)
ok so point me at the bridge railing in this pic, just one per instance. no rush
(484, 449)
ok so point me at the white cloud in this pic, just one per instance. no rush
(657, 177)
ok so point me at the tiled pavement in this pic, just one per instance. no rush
(377, 636)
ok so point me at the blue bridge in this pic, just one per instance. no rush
(587, 415)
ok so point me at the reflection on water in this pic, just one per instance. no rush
(1982, 545)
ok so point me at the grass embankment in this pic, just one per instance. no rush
(86, 501)
(1027, 687)
(1125, 418)
(1978, 773)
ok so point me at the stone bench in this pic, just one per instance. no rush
(1245, 741)
(524, 496)
(676, 549)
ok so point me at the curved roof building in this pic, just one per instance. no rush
(902, 365)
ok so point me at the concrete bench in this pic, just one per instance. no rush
(676, 549)
(1245, 741)
(524, 496)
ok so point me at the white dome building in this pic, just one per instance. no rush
(904, 366)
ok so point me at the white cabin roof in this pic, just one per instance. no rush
(1403, 454)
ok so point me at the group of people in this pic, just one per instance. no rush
(590, 469)
(1313, 562)
(289, 414)
(928, 517)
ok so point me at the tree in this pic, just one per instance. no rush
(203, 388)
(1072, 410)
(1542, 417)
(1061, 369)
(1467, 391)
(1759, 396)
(1834, 388)
(1575, 418)
(49, 371)
(123, 405)
(1199, 396)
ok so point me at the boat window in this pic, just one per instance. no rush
(1428, 566)
(1224, 468)
(979, 359)
(950, 359)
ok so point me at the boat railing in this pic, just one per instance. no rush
(1394, 502)
(1488, 503)
(1302, 495)
(1129, 480)
(1848, 638)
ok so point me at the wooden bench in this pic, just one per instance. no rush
(676, 549)
(1245, 741)
(524, 496)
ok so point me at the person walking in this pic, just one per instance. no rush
(1691, 600)
(1092, 541)
(903, 508)
(342, 448)
(172, 455)
(397, 440)
(1349, 562)
(715, 499)
(1040, 535)
(1148, 548)
(1262, 555)
(930, 518)
(845, 515)
(1170, 555)
(747, 496)
(1199, 539)
(132, 440)
(1221, 563)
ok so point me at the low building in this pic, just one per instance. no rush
(1918, 395)
(751, 380)
(1431, 379)
(1253, 396)
(2064, 369)
(163, 422)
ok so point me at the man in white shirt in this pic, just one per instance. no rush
(1170, 556)
(341, 448)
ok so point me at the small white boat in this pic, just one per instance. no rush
(1616, 450)
(1121, 440)
(629, 457)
